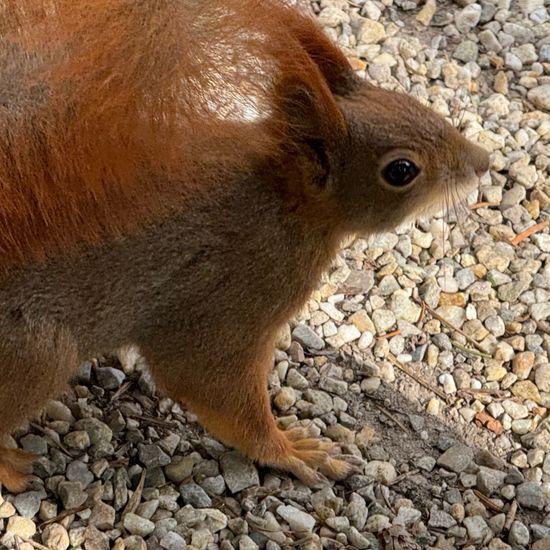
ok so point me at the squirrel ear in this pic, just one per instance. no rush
(314, 126)
(309, 110)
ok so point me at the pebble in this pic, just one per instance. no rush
(540, 96)
(71, 494)
(239, 473)
(519, 535)
(381, 471)
(307, 337)
(28, 504)
(193, 494)
(22, 527)
(136, 525)
(109, 378)
(530, 495)
(299, 522)
(55, 537)
(456, 459)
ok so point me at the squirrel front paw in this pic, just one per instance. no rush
(310, 458)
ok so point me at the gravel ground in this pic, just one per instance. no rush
(424, 352)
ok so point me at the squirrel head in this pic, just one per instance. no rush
(380, 158)
(401, 160)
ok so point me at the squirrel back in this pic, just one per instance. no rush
(116, 112)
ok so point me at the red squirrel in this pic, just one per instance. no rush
(177, 175)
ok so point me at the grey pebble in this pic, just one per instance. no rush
(28, 504)
(530, 495)
(152, 456)
(239, 472)
(109, 378)
(456, 459)
(136, 525)
(193, 494)
(307, 337)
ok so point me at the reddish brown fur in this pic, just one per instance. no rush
(132, 213)
(113, 109)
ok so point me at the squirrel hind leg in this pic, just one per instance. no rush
(15, 469)
(238, 413)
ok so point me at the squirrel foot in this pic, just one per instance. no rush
(15, 469)
(310, 459)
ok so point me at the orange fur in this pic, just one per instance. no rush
(107, 102)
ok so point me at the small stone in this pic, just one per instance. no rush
(34, 444)
(283, 339)
(28, 504)
(407, 516)
(22, 527)
(433, 406)
(109, 378)
(525, 389)
(305, 336)
(136, 525)
(102, 516)
(362, 321)
(454, 314)
(440, 519)
(246, 543)
(59, 411)
(98, 431)
(152, 456)
(78, 439)
(381, 471)
(467, 51)
(239, 472)
(530, 495)
(78, 471)
(540, 96)
(371, 32)
(377, 523)
(180, 468)
(300, 522)
(383, 320)
(522, 364)
(285, 399)
(55, 537)
(7, 509)
(331, 16)
(540, 312)
(348, 333)
(456, 459)
(426, 14)
(488, 481)
(542, 377)
(195, 495)
(448, 383)
(518, 535)
(71, 494)
(468, 18)
(172, 541)
(404, 308)
(477, 528)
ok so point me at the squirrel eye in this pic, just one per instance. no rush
(400, 172)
